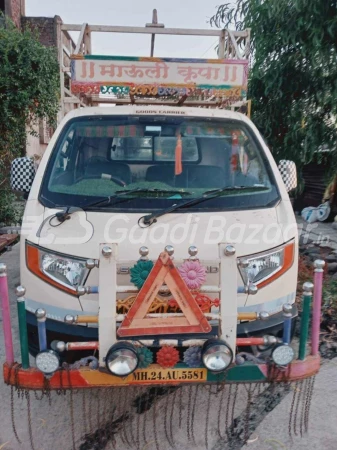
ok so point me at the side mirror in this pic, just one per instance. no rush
(22, 174)
(288, 173)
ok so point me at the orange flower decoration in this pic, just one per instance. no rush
(167, 357)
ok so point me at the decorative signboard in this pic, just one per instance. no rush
(158, 77)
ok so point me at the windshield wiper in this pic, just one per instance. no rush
(236, 188)
(118, 194)
(65, 215)
(149, 219)
(154, 190)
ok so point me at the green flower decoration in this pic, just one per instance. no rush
(139, 272)
(145, 357)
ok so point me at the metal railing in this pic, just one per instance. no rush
(231, 45)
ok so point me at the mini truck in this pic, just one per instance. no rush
(158, 243)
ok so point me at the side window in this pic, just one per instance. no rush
(135, 149)
(246, 162)
(165, 147)
(60, 171)
(254, 165)
(63, 158)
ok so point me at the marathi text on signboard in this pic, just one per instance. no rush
(157, 77)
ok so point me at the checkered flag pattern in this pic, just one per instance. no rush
(288, 173)
(22, 174)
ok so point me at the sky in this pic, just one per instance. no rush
(173, 13)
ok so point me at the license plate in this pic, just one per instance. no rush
(152, 375)
(160, 375)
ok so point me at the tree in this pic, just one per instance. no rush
(29, 91)
(293, 78)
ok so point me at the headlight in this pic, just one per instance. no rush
(47, 361)
(261, 269)
(216, 355)
(122, 359)
(283, 355)
(65, 272)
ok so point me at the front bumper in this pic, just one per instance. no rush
(70, 333)
(272, 326)
(87, 378)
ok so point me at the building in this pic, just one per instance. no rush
(15, 9)
(49, 30)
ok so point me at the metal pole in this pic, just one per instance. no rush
(83, 290)
(82, 345)
(40, 314)
(20, 292)
(307, 295)
(6, 316)
(71, 320)
(153, 36)
(287, 309)
(59, 36)
(221, 47)
(154, 24)
(317, 303)
(94, 345)
(242, 342)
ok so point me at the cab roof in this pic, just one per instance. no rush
(156, 110)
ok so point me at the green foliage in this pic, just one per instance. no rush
(10, 211)
(29, 91)
(293, 79)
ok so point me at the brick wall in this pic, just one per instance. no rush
(46, 27)
(15, 10)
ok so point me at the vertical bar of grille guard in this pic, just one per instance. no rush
(317, 305)
(228, 296)
(305, 319)
(107, 300)
(6, 315)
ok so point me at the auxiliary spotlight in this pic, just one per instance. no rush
(283, 355)
(47, 361)
(217, 356)
(122, 359)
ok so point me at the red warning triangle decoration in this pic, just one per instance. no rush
(137, 324)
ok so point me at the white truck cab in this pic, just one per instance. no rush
(198, 182)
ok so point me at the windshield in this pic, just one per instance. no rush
(161, 160)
